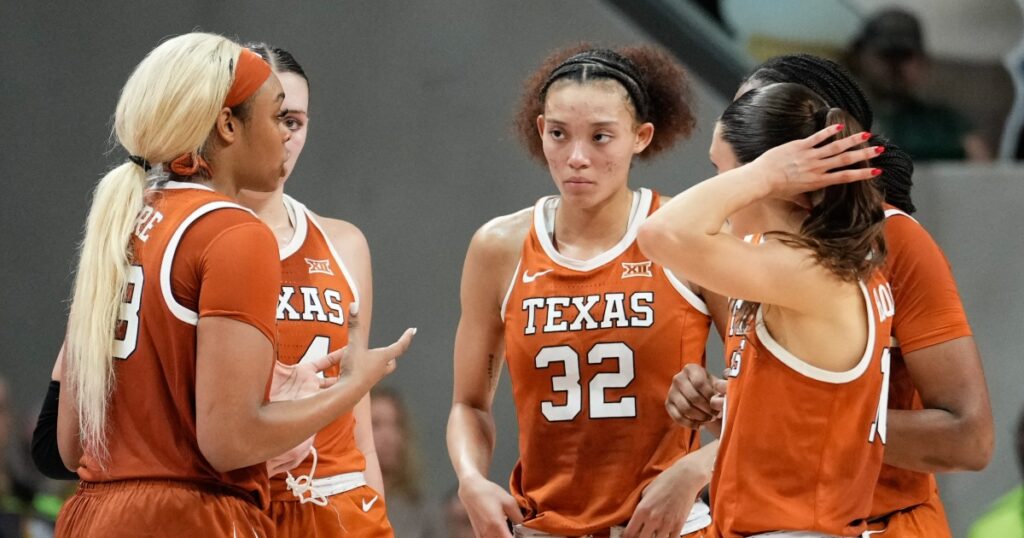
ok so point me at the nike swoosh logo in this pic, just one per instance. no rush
(527, 277)
(368, 505)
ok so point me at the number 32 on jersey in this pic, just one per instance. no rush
(570, 383)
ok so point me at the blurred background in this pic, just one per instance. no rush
(411, 139)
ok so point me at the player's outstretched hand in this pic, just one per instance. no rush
(489, 507)
(368, 366)
(292, 382)
(695, 397)
(799, 166)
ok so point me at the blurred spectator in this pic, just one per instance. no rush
(889, 57)
(1006, 518)
(456, 519)
(399, 464)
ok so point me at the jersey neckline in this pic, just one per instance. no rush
(641, 207)
(297, 213)
(806, 369)
(175, 185)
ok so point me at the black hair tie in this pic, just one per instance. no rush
(141, 162)
(606, 68)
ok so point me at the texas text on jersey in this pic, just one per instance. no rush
(592, 347)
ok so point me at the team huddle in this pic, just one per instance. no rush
(841, 322)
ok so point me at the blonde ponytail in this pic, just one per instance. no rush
(95, 305)
(167, 108)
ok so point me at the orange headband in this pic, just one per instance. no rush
(251, 71)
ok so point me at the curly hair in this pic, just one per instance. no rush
(839, 89)
(657, 87)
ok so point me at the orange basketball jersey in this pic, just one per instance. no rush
(801, 447)
(316, 291)
(591, 348)
(196, 253)
(928, 312)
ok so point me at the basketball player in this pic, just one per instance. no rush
(166, 423)
(325, 267)
(940, 419)
(804, 428)
(592, 330)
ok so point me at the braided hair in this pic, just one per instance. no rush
(655, 84)
(839, 89)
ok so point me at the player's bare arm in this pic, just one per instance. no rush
(479, 349)
(352, 246)
(668, 499)
(718, 305)
(805, 293)
(234, 428)
(954, 430)
(771, 273)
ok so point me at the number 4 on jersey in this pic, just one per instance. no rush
(319, 347)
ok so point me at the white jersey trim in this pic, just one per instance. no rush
(176, 308)
(688, 294)
(895, 212)
(298, 216)
(184, 185)
(330, 246)
(811, 371)
(637, 217)
(511, 286)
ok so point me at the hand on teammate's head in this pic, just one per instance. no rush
(801, 166)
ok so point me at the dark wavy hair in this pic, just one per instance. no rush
(844, 229)
(657, 87)
(839, 89)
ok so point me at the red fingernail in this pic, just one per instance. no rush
(876, 171)
(840, 127)
(879, 149)
(865, 136)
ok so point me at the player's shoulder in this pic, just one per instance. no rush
(903, 231)
(189, 207)
(219, 215)
(504, 234)
(895, 217)
(340, 232)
